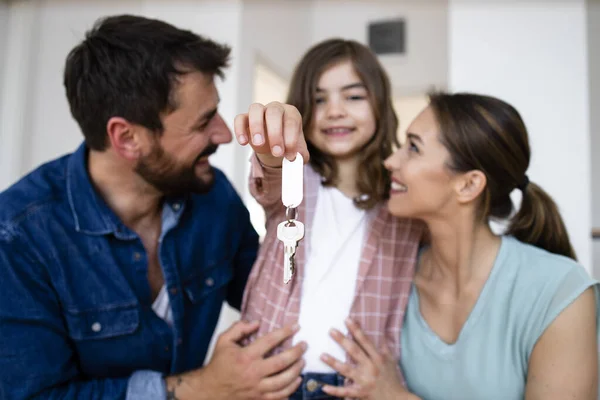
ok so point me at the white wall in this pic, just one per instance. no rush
(593, 15)
(534, 55)
(425, 63)
(3, 40)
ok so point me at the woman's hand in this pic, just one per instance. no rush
(374, 377)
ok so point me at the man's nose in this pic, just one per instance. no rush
(220, 132)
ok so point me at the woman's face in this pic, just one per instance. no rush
(422, 184)
(343, 119)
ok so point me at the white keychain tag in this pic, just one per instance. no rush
(292, 181)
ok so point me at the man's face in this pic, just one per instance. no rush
(177, 162)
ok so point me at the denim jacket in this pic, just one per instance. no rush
(76, 318)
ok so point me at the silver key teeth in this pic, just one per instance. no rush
(292, 264)
(289, 264)
(290, 233)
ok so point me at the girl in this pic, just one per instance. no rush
(489, 317)
(355, 259)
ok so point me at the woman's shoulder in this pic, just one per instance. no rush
(537, 276)
(541, 285)
(539, 265)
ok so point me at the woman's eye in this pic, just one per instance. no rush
(412, 147)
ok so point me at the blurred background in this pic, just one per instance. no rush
(543, 56)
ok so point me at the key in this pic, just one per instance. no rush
(290, 233)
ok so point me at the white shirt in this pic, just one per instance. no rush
(332, 262)
(162, 306)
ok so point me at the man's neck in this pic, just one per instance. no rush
(134, 201)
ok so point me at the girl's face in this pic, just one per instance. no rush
(422, 184)
(343, 119)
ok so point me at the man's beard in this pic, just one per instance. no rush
(172, 179)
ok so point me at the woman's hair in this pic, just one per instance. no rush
(487, 134)
(373, 179)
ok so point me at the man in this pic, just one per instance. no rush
(115, 260)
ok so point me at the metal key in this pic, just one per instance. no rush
(290, 232)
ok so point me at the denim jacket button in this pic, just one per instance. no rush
(96, 327)
(137, 256)
(312, 385)
(209, 282)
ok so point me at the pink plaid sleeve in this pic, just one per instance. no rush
(265, 186)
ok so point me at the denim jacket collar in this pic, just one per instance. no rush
(91, 214)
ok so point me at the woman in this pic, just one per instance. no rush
(489, 317)
(353, 248)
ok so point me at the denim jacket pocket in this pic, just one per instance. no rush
(103, 323)
(200, 286)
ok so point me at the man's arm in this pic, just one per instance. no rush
(36, 357)
(564, 362)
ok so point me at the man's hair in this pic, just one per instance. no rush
(127, 66)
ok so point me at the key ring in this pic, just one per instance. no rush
(291, 213)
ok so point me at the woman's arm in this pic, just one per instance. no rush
(374, 375)
(564, 362)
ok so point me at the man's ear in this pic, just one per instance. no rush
(470, 185)
(124, 138)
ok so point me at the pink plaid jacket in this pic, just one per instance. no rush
(385, 273)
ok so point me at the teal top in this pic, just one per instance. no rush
(526, 290)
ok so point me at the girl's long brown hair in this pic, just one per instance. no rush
(373, 179)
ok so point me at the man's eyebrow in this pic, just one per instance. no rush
(208, 115)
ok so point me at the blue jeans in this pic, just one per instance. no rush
(310, 389)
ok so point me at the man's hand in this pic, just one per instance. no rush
(274, 131)
(237, 372)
